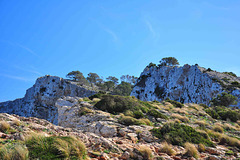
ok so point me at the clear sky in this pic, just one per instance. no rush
(112, 37)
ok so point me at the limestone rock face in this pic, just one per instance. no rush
(39, 100)
(98, 122)
(187, 84)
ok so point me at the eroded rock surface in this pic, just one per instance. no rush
(39, 100)
(187, 84)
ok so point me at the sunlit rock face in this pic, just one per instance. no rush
(39, 100)
(187, 84)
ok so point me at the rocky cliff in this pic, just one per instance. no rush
(187, 84)
(39, 100)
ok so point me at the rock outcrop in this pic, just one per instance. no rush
(187, 84)
(39, 100)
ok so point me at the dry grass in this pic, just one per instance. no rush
(218, 128)
(180, 111)
(201, 147)
(238, 122)
(4, 126)
(84, 111)
(96, 100)
(191, 150)
(201, 123)
(228, 126)
(145, 121)
(167, 148)
(224, 139)
(16, 122)
(195, 106)
(14, 152)
(181, 118)
(146, 152)
(168, 106)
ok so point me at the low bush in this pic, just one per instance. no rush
(155, 113)
(119, 104)
(223, 113)
(174, 103)
(178, 134)
(138, 114)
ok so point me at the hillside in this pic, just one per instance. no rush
(186, 84)
(116, 127)
(39, 100)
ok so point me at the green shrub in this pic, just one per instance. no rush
(156, 114)
(97, 95)
(212, 113)
(223, 113)
(119, 104)
(138, 114)
(174, 103)
(229, 114)
(41, 147)
(230, 73)
(224, 99)
(178, 134)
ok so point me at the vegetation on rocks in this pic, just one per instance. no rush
(178, 134)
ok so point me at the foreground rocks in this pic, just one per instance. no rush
(104, 137)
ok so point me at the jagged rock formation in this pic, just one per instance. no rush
(187, 84)
(39, 100)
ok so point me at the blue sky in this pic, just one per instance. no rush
(112, 37)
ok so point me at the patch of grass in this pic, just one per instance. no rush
(174, 103)
(191, 150)
(15, 151)
(218, 128)
(84, 111)
(167, 148)
(202, 124)
(55, 147)
(155, 113)
(4, 126)
(128, 120)
(181, 118)
(180, 111)
(16, 122)
(146, 152)
(201, 147)
(145, 121)
(178, 134)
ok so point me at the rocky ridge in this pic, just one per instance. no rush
(106, 138)
(39, 100)
(186, 84)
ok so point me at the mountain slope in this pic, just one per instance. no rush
(39, 100)
(187, 84)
